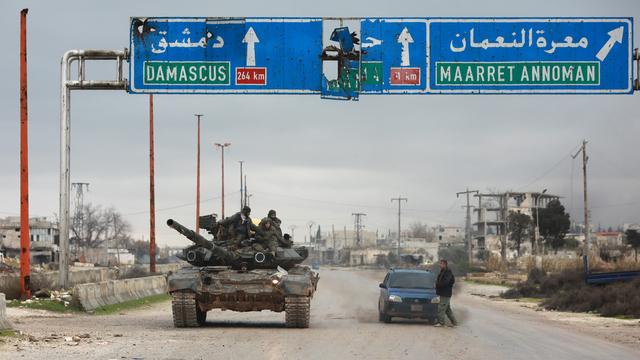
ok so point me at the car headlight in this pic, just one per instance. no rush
(435, 300)
(395, 298)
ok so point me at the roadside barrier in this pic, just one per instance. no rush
(95, 295)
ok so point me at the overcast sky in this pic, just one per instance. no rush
(311, 159)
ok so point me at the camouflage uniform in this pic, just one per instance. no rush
(266, 237)
(275, 223)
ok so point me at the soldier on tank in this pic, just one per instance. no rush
(267, 237)
(275, 223)
(286, 242)
(240, 226)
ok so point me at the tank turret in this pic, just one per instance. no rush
(208, 253)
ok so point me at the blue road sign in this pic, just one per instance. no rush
(546, 55)
(394, 56)
(225, 55)
(381, 56)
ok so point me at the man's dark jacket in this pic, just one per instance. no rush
(239, 227)
(444, 283)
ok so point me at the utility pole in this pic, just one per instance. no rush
(222, 146)
(536, 233)
(246, 196)
(333, 236)
(198, 178)
(467, 235)
(115, 238)
(358, 226)
(333, 240)
(25, 237)
(152, 194)
(293, 229)
(399, 199)
(241, 189)
(585, 158)
(345, 237)
(78, 217)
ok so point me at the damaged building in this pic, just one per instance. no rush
(43, 239)
(490, 228)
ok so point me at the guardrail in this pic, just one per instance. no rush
(606, 277)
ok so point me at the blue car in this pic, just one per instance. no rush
(408, 293)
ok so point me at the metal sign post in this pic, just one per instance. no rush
(66, 85)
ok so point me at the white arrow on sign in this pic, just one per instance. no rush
(405, 39)
(251, 39)
(374, 42)
(615, 36)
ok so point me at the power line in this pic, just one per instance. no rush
(548, 171)
(352, 205)
(180, 206)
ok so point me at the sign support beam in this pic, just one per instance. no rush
(66, 85)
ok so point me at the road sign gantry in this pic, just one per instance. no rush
(385, 56)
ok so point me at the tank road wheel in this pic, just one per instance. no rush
(297, 311)
(186, 312)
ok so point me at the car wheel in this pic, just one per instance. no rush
(381, 316)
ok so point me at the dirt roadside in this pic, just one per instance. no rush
(621, 331)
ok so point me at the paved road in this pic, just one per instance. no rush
(344, 326)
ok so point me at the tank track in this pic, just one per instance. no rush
(185, 310)
(297, 311)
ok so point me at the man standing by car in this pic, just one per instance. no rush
(444, 289)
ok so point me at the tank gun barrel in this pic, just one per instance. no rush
(190, 234)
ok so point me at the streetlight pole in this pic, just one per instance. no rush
(198, 178)
(222, 146)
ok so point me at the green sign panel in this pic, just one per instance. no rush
(372, 72)
(518, 73)
(371, 75)
(187, 73)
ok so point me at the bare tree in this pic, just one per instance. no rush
(100, 225)
(420, 230)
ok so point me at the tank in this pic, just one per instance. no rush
(239, 280)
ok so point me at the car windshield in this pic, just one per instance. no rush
(412, 280)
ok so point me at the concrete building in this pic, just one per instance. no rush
(43, 238)
(448, 235)
(609, 238)
(490, 228)
(370, 256)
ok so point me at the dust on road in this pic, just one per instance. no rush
(344, 326)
